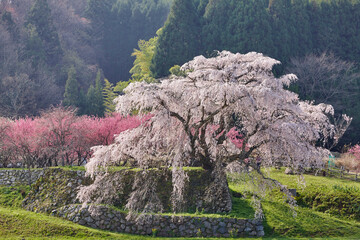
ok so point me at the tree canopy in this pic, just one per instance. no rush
(42, 29)
(118, 25)
(179, 38)
(219, 114)
(279, 28)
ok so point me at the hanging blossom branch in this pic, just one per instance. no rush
(231, 94)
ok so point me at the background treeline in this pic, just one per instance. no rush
(54, 51)
(81, 53)
(281, 29)
(317, 40)
(117, 26)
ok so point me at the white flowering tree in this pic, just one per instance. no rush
(225, 108)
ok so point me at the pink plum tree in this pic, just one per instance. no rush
(58, 140)
(355, 164)
(58, 137)
(92, 131)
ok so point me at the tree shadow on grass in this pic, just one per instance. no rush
(242, 208)
(280, 222)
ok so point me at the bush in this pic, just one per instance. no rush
(349, 162)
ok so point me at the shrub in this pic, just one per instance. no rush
(348, 162)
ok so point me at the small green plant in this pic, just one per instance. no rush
(176, 70)
(197, 212)
(234, 232)
(154, 232)
(199, 233)
(345, 189)
(171, 233)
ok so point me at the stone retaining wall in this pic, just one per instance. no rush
(105, 218)
(55, 189)
(55, 193)
(58, 187)
(12, 177)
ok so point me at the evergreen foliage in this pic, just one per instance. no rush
(41, 27)
(99, 99)
(42, 39)
(11, 25)
(90, 100)
(34, 49)
(141, 69)
(118, 25)
(279, 28)
(109, 96)
(94, 98)
(72, 93)
(180, 38)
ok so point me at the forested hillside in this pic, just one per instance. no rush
(45, 43)
(322, 35)
(279, 28)
(81, 53)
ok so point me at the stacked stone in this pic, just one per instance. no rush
(55, 189)
(12, 177)
(105, 218)
(56, 192)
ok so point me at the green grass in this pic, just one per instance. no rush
(72, 168)
(279, 222)
(241, 209)
(312, 181)
(18, 224)
(13, 196)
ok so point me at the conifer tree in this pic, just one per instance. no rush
(94, 98)
(34, 49)
(118, 25)
(90, 101)
(72, 93)
(40, 20)
(81, 105)
(99, 103)
(180, 39)
(109, 96)
(11, 26)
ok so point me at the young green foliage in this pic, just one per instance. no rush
(109, 96)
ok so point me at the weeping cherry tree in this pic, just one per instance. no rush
(216, 117)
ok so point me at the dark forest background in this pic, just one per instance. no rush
(83, 53)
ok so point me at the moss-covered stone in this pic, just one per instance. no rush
(58, 187)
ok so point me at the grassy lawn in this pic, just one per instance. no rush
(21, 224)
(279, 222)
(312, 181)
